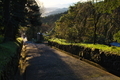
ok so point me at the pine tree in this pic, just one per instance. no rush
(13, 12)
(34, 19)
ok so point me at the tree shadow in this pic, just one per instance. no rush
(45, 64)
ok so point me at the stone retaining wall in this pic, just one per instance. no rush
(106, 59)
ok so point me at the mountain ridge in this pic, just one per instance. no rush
(52, 11)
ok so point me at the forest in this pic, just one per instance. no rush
(87, 31)
(89, 22)
(18, 17)
(48, 22)
(95, 21)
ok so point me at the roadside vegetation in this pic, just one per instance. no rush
(93, 24)
(89, 22)
(17, 18)
(9, 51)
(111, 49)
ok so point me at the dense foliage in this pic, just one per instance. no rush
(9, 59)
(117, 36)
(12, 15)
(15, 14)
(33, 19)
(90, 22)
(48, 22)
(102, 47)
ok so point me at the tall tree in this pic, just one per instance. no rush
(13, 10)
(34, 19)
(93, 23)
(6, 10)
(1, 18)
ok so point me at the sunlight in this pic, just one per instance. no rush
(54, 3)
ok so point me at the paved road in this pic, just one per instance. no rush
(45, 63)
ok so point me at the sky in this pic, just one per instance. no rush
(57, 3)
(50, 5)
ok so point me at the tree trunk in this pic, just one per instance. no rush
(8, 27)
(95, 30)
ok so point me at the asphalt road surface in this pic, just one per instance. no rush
(45, 63)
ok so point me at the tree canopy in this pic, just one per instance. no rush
(17, 13)
(33, 16)
(90, 22)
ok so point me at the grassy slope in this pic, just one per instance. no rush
(7, 51)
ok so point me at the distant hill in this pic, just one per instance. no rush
(48, 22)
(51, 11)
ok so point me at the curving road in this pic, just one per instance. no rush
(45, 63)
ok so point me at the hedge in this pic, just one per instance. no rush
(9, 58)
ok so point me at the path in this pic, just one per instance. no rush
(45, 63)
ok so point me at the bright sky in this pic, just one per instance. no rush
(58, 3)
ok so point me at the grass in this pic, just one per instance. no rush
(112, 49)
(19, 40)
(60, 41)
(7, 51)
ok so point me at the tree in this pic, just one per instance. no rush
(48, 22)
(1, 18)
(117, 36)
(87, 22)
(33, 19)
(96, 16)
(6, 10)
(13, 12)
(14, 15)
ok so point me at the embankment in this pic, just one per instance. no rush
(9, 59)
(108, 60)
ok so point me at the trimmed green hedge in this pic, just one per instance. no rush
(8, 51)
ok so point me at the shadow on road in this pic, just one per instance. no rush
(40, 62)
(45, 64)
